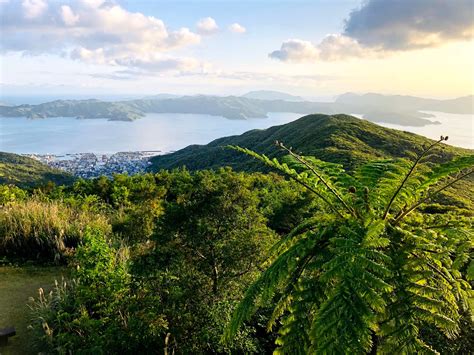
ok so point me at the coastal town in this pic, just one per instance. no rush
(91, 165)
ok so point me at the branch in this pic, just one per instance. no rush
(316, 193)
(315, 172)
(430, 196)
(387, 209)
(264, 160)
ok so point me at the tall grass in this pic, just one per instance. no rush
(36, 229)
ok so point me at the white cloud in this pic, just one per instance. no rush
(207, 26)
(34, 8)
(93, 3)
(93, 31)
(237, 28)
(155, 66)
(295, 50)
(68, 16)
(339, 47)
(332, 47)
(95, 56)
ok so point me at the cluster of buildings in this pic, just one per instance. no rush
(90, 165)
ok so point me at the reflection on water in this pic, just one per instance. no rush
(459, 128)
(169, 132)
(163, 132)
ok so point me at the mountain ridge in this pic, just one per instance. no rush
(461, 105)
(338, 138)
(341, 139)
(380, 108)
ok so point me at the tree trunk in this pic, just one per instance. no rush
(375, 343)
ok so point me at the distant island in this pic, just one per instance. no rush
(394, 109)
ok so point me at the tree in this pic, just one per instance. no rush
(367, 271)
(206, 248)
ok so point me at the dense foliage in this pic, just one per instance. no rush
(185, 245)
(368, 271)
(311, 260)
(90, 312)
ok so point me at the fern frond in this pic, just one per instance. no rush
(309, 182)
(298, 232)
(283, 269)
(442, 171)
(381, 178)
(408, 175)
(333, 173)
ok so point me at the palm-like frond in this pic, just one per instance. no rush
(363, 273)
(287, 267)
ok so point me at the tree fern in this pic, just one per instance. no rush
(368, 270)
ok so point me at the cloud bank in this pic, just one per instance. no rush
(332, 47)
(410, 24)
(93, 31)
(385, 26)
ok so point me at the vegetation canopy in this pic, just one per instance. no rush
(312, 259)
(368, 270)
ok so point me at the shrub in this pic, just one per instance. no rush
(98, 311)
(10, 193)
(44, 230)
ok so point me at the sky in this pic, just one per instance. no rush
(318, 48)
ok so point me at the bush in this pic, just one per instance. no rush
(98, 311)
(36, 229)
(10, 193)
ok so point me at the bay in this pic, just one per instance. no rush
(458, 127)
(170, 132)
(158, 132)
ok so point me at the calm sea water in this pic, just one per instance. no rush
(163, 132)
(168, 132)
(459, 128)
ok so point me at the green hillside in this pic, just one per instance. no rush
(337, 138)
(23, 171)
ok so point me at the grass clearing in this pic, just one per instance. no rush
(17, 284)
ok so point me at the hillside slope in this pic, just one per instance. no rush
(338, 138)
(23, 171)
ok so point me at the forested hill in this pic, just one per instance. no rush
(337, 138)
(23, 171)
(401, 110)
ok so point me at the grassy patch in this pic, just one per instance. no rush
(17, 284)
